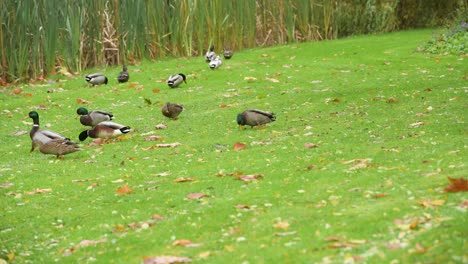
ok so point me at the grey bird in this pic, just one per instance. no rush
(123, 75)
(106, 129)
(59, 147)
(38, 136)
(210, 54)
(176, 79)
(172, 110)
(216, 62)
(255, 117)
(94, 117)
(96, 79)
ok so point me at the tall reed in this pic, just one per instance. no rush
(36, 36)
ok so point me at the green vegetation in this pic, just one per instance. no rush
(354, 168)
(453, 41)
(42, 37)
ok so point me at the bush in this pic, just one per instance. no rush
(453, 41)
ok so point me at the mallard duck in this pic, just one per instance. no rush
(228, 54)
(106, 129)
(94, 117)
(210, 54)
(38, 136)
(123, 75)
(255, 117)
(172, 110)
(59, 147)
(176, 79)
(216, 63)
(96, 79)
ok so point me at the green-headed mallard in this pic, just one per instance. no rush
(123, 75)
(96, 79)
(94, 117)
(216, 62)
(228, 54)
(59, 147)
(176, 79)
(255, 117)
(210, 54)
(38, 136)
(172, 110)
(105, 130)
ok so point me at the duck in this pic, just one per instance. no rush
(96, 79)
(176, 79)
(123, 75)
(38, 136)
(59, 147)
(172, 110)
(255, 117)
(210, 54)
(94, 117)
(227, 54)
(106, 129)
(216, 62)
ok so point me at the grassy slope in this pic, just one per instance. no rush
(355, 98)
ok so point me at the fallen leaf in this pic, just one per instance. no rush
(250, 79)
(416, 124)
(123, 190)
(166, 260)
(310, 145)
(153, 138)
(19, 133)
(196, 195)
(418, 249)
(272, 80)
(184, 179)
(6, 185)
(283, 234)
(185, 243)
(155, 90)
(379, 195)
(431, 203)
(457, 185)
(16, 91)
(242, 206)
(36, 191)
(341, 245)
(239, 146)
(27, 95)
(168, 145)
(281, 225)
(161, 126)
(251, 177)
(82, 101)
(85, 243)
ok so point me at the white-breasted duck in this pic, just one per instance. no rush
(176, 79)
(96, 78)
(106, 129)
(216, 62)
(210, 54)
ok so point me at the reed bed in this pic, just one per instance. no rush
(37, 38)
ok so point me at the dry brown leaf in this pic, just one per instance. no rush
(239, 146)
(222, 174)
(431, 203)
(283, 234)
(272, 80)
(185, 243)
(36, 191)
(184, 179)
(457, 185)
(20, 133)
(250, 177)
(16, 91)
(310, 145)
(27, 95)
(168, 145)
(161, 126)
(281, 225)
(250, 79)
(123, 190)
(153, 138)
(416, 124)
(242, 206)
(341, 245)
(155, 90)
(82, 101)
(418, 249)
(196, 195)
(85, 243)
(379, 195)
(166, 260)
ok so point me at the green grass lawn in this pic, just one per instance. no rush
(354, 169)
